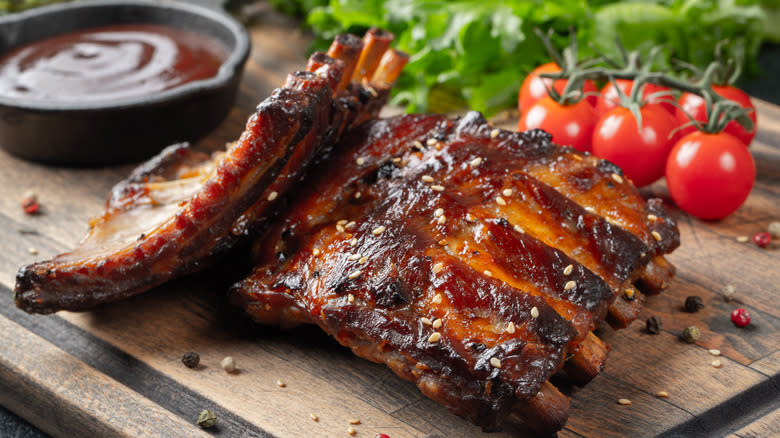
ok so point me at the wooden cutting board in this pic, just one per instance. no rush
(117, 371)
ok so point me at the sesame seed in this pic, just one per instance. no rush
(427, 178)
(350, 298)
(437, 324)
(715, 352)
(487, 273)
(353, 257)
(32, 251)
(353, 242)
(437, 267)
(426, 321)
(358, 195)
(656, 235)
(662, 394)
(476, 162)
(434, 337)
(534, 312)
(351, 431)
(438, 212)
(378, 230)
(436, 299)
(495, 362)
(417, 144)
(507, 192)
(314, 417)
(617, 178)
(431, 141)
(396, 160)
(350, 225)
(568, 269)
(624, 401)
(342, 221)
(354, 421)
(494, 133)
(437, 188)
(363, 260)
(354, 274)
(340, 228)
(470, 217)
(272, 196)
(360, 161)
(652, 217)
(590, 209)
(519, 229)
(716, 363)
(571, 284)
(500, 201)
(280, 384)
(510, 328)
(441, 219)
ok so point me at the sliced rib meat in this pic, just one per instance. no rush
(182, 207)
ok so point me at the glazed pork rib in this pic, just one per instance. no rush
(180, 209)
(468, 259)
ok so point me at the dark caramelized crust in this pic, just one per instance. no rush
(422, 225)
(182, 208)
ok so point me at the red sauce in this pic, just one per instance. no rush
(107, 63)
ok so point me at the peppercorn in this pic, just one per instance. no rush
(207, 418)
(30, 203)
(190, 359)
(691, 334)
(228, 364)
(653, 325)
(762, 239)
(774, 229)
(728, 292)
(740, 317)
(382, 435)
(693, 303)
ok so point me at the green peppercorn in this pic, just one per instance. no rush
(691, 334)
(207, 418)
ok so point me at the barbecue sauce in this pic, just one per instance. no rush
(108, 63)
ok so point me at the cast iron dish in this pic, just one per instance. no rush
(122, 130)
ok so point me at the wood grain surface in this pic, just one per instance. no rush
(117, 371)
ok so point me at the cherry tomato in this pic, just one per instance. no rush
(609, 98)
(570, 125)
(710, 175)
(535, 88)
(696, 107)
(642, 156)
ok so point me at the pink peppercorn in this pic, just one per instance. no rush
(382, 435)
(740, 317)
(762, 239)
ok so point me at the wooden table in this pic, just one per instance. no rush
(117, 371)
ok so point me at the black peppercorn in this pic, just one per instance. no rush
(693, 304)
(653, 325)
(190, 359)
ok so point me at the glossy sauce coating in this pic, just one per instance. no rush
(107, 63)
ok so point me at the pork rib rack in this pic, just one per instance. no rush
(468, 259)
(180, 209)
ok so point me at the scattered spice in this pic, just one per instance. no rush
(717, 363)
(653, 325)
(280, 384)
(693, 303)
(32, 251)
(742, 239)
(382, 435)
(190, 359)
(354, 421)
(30, 203)
(740, 317)
(691, 334)
(228, 364)
(714, 352)
(351, 431)
(762, 239)
(728, 292)
(774, 229)
(495, 362)
(314, 417)
(662, 394)
(207, 418)
(624, 401)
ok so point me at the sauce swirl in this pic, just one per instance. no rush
(108, 63)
